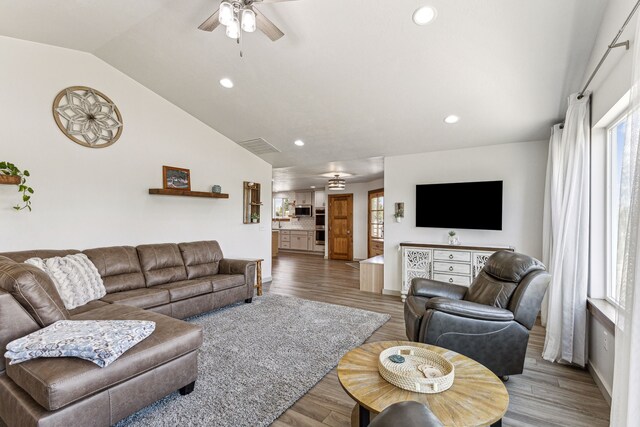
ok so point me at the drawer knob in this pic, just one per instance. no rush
(451, 280)
(451, 268)
(450, 256)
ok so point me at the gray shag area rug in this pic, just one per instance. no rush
(258, 359)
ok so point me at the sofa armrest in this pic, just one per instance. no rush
(432, 289)
(239, 266)
(469, 309)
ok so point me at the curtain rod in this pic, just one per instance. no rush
(614, 44)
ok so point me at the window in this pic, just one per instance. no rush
(376, 215)
(281, 208)
(616, 135)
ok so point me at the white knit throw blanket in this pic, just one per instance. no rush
(76, 278)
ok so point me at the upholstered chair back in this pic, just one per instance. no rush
(513, 281)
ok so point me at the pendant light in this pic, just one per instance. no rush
(337, 183)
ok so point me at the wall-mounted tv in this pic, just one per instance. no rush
(470, 205)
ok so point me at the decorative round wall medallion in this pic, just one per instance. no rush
(87, 117)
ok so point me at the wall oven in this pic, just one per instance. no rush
(319, 237)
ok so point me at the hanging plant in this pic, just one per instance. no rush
(9, 169)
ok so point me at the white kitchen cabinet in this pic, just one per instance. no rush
(303, 198)
(298, 240)
(319, 199)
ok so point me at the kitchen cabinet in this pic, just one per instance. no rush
(298, 240)
(303, 198)
(319, 199)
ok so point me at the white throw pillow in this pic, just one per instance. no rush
(75, 276)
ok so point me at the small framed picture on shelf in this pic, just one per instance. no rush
(176, 178)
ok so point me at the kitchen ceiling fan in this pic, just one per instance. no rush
(241, 15)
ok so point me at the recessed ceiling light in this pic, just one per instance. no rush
(299, 142)
(423, 15)
(313, 186)
(226, 82)
(452, 119)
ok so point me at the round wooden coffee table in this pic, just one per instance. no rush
(476, 398)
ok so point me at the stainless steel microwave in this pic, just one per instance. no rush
(304, 211)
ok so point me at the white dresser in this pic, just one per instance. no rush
(457, 265)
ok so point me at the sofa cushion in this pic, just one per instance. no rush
(34, 290)
(119, 267)
(87, 307)
(141, 298)
(55, 383)
(226, 281)
(201, 258)
(187, 288)
(161, 263)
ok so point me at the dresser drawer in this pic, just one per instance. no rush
(451, 267)
(444, 255)
(456, 280)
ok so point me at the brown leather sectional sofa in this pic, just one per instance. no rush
(159, 282)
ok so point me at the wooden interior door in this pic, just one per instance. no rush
(341, 227)
(375, 226)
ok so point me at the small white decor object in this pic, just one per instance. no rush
(422, 371)
(76, 278)
(98, 341)
(453, 238)
(87, 117)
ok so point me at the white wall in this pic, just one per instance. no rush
(522, 167)
(97, 197)
(360, 193)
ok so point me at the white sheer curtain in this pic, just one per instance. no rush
(625, 408)
(568, 249)
(550, 194)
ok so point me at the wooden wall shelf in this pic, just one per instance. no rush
(186, 193)
(9, 180)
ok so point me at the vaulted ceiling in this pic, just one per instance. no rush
(354, 79)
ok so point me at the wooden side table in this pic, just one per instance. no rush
(259, 276)
(476, 398)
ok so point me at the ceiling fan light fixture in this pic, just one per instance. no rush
(225, 15)
(233, 29)
(248, 20)
(336, 183)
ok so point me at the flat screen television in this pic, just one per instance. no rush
(469, 205)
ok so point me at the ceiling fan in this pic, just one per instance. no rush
(241, 15)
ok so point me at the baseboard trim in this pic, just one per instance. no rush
(266, 280)
(390, 292)
(606, 393)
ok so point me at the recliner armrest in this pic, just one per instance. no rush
(239, 266)
(433, 288)
(469, 309)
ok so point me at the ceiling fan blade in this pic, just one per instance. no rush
(267, 27)
(211, 23)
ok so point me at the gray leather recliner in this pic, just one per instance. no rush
(489, 321)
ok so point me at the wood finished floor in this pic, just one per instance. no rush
(545, 394)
